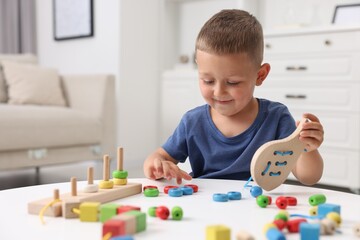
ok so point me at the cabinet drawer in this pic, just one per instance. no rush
(341, 168)
(329, 97)
(315, 42)
(315, 66)
(340, 130)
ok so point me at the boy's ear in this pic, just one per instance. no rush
(262, 73)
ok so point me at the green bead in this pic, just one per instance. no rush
(120, 174)
(177, 213)
(281, 216)
(151, 192)
(152, 211)
(317, 199)
(262, 201)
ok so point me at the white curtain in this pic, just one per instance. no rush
(17, 26)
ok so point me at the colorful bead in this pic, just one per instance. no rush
(119, 181)
(177, 213)
(267, 227)
(162, 212)
(151, 192)
(275, 234)
(175, 192)
(152, 211)
(291, 201)
(120, 174)
(149, 186)
(335, 217)
(256, 191)
(234, 195)
(243, 235)
(280, 224)
(106, 184)
(262, 201)
(328, 226)
(284, 215)
(193, 186)
(270, 200)
(166, 188)
(220, 197)
(317, 199)
(313, 211)
(187, 190)
(293, 225)
(356, 230)
(325, 208)
(281, 202)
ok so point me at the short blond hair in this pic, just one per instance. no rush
(231, 32)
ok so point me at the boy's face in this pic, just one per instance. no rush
(227, 82)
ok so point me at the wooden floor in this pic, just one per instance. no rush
(53, 174)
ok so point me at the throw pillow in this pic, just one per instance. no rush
(24, 58)
(31, 84)
(3, 88)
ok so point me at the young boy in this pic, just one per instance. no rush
(221, 137)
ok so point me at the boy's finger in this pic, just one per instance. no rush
(185, 175)
(311, 116)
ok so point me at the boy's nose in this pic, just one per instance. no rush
(219, 90)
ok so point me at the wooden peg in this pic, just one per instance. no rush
(120, 158)
(56, 194)
(106, 168)
(90, 175)
(73, 187)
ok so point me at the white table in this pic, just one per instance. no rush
(199, 212)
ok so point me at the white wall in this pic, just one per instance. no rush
(125, 44)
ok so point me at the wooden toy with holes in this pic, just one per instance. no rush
(273, 161)
(62, 204)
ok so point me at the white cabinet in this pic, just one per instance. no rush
(318, 71)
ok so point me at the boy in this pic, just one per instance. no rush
(221, 137)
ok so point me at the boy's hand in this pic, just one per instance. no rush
(161, 168)
(312, 134)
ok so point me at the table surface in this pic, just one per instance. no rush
(200, 211)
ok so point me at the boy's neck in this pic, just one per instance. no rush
(234, 125)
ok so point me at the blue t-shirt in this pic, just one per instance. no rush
(212, 155)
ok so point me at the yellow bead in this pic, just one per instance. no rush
(119, 181)
(268, 226)
(218, 232)
(106, 184)
(313, 211)
(335, 217)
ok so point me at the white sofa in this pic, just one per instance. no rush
(33, 135)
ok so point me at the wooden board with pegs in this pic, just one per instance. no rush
(274, 160)
(76, 197)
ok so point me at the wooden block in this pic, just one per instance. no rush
(107, 211)
(140, 219)
(114, 227)
(89, 211)
(67, 207)
(102, 196)
(273, 161)
(130, 222)
(218, 232)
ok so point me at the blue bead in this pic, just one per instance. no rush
(256, 191)
(187, 190)
(127, 237)
(310, 231)
(175, 192)
(234, 195)
(220, 197)
(275, 234)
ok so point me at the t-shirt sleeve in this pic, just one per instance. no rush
(286, 125)
(176, 145)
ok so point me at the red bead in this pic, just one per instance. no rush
(292, 201)
(193, 186)
(149, 186)
(294, 224)
(162, 212)
(281, 202)
(280, 224)
(270, 199)
(166, 188)
(127, 208)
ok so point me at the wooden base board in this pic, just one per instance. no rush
(102, 196)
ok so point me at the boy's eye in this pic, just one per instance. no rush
(233, 83)
(206, 81)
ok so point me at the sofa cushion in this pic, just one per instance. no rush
(31, 84)
(23, 58)
(29, 127)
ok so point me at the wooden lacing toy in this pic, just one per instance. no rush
(274, 160)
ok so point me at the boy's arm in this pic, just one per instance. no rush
(161, 165)
(309, 167)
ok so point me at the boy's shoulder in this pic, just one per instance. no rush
(270, 106)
